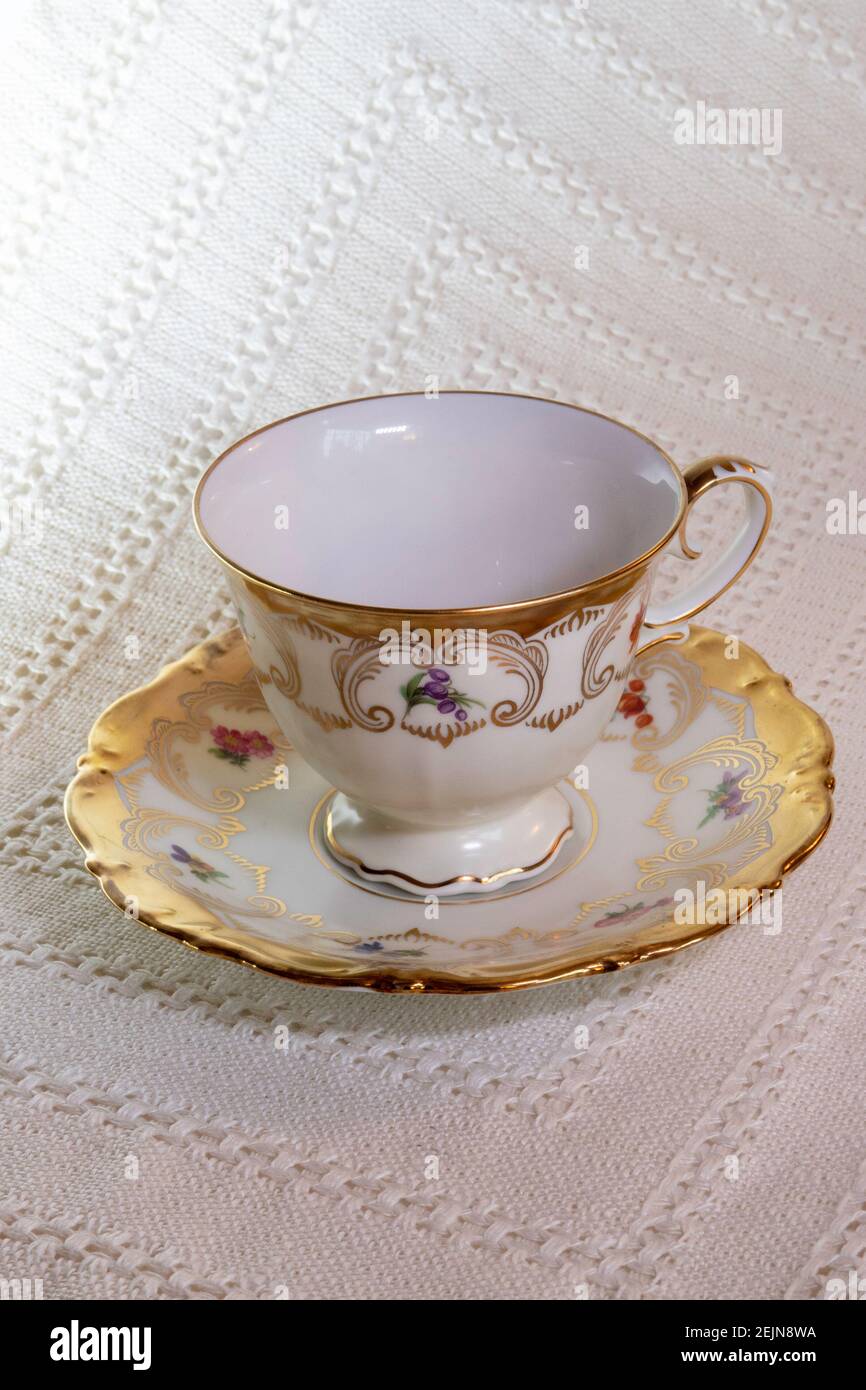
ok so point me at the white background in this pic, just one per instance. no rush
(218, 212)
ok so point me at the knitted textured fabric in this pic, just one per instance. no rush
(217, 214)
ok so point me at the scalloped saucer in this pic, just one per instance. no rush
(199, 821)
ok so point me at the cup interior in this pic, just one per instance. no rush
(466, 500)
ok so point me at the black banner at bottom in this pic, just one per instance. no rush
(204, 1335)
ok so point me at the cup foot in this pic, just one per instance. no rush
(445, 861)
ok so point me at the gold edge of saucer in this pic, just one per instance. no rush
(92, 806)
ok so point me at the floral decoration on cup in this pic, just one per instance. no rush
(634, 632)
(633, 704)
(433, 687)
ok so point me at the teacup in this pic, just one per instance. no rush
(442, 598)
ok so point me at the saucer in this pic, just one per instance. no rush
(201, 822)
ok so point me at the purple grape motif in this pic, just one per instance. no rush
(434, 687)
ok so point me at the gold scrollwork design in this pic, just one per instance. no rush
(353, 667)
(142, 830)
(286, 677)
(167, 760)
(727, 751)
(443, 734)
(552, 719)
(760, 798)
(573, 623)
(528, 660)
(594, 681)
(325, 720)
(307, 627)
(256, 906)
(170, 767)
(686, 689)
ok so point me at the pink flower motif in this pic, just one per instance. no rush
(238, 746)
(259, 745)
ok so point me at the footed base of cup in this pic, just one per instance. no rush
(445, 861)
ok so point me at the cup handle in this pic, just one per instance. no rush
(668, 620)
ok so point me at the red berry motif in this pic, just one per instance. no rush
(633, 704)
(634, 634)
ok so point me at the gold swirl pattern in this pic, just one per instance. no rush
(354, 662)
(352, 668)
(443, 734)
(170, 766)
(286, 678)
(552, 719)
(687, 692)
(325, 720)
(573, 623)
(594, 682)
(147, 826)
(164, 751)
(528, 660)
(256, 907)
(313, 631)
(687, 853)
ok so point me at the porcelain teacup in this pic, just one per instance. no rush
(442, 598)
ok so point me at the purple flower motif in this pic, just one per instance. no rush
(727, 797)
(197, 867)
(369, 948)
(434, 687)
(616, 916)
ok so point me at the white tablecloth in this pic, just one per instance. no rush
(216, 213)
